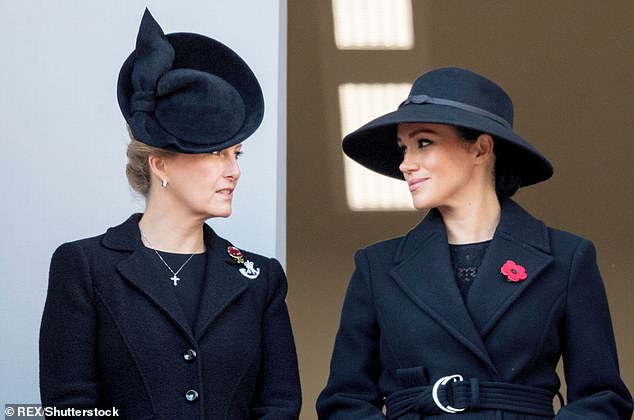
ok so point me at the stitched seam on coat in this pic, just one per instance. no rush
(369, 284)
(375, 314)
(270, 296)
(129, 348)
(85, 261)
(270, 292)
(362, 254)
(238, 383)
(573, 260)
(551, 315)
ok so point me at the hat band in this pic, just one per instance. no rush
(426, 99)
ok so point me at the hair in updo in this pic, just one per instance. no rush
(138, 167)
(507, 178)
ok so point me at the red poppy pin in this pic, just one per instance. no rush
(513, 272)
(236, 254)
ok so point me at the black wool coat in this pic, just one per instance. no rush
(405, 325)
(113, 334)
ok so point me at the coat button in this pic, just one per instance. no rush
(190, 355)
(191, 395)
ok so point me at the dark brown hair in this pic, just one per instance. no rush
(507, 179)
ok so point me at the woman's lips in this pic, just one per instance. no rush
(227, 192)
(414, 183)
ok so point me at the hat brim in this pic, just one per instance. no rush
(198, 52)
(374, 145)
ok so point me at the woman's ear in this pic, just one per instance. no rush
(483, 147)
(158, 167)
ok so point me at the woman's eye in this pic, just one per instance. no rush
(238, 155)
(402, 149)
(423, 143)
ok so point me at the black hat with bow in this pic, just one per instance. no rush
(186, 92)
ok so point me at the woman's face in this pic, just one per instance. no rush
(438, 165)
(204, 183)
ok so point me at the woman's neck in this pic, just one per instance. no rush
(167, 230)
(473, 222)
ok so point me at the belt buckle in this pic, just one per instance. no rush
(434, 393)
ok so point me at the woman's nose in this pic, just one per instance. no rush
(407, 165)
(233, 170)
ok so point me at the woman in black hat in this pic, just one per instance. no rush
(468, 314)
(160, 318)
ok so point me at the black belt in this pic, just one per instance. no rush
(451, 394)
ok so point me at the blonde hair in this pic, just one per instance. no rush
(137, 170)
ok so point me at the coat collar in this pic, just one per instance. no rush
(515, 223)
(223, 283)
(424, 271)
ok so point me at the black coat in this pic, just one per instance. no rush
(111, 338)
(405, 325)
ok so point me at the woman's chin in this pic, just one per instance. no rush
(420, 204)
(221, 212)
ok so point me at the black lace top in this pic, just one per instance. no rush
(466, 260)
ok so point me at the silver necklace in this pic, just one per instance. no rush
(174, 277)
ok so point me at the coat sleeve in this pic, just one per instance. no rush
(278, 393)
(595, 388)
(68, 368)
(352, 391)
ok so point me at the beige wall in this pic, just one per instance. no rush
(569, 67)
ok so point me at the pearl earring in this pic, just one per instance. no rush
(164, 183)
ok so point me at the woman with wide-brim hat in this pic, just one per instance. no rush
(468, 314)
(159, 317)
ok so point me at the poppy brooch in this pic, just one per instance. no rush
(513, 272)
(248, 271)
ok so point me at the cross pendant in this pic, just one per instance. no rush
(175, 279)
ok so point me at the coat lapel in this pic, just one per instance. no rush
(522, 239)
(223, 283)
(143, 273)
(424, 271)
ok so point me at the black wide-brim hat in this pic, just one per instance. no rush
(186, 92)
(451, 96)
